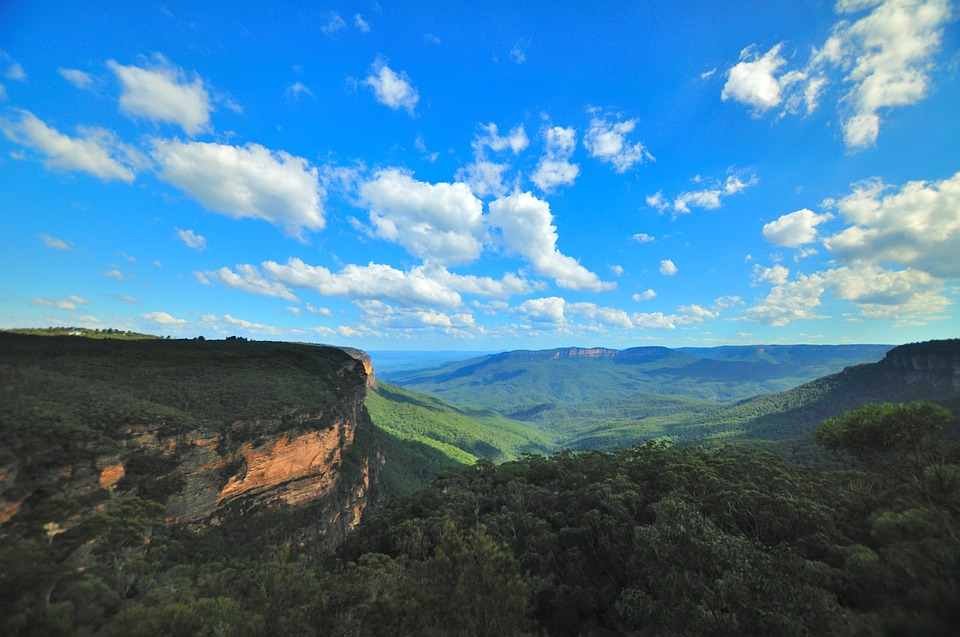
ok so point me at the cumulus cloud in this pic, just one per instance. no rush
(795, 229)
(15, 72)
(756, 81)
(333, 24)
(372, 281)
(248, 279)
(490, 137)
(888, 56)
(667, 268)
(917, 226)
(885, 58)
(554, 168)
(711, 197)
(295, 90)
(901, 295)
(642, 237)
(777, 275)
(526, 228)
(68, 303)
(790, 302)
(485, 177)
(96, 152)
(55, 243)
(76, 77)
(245, 182)
(163, 318)
(116, 275)
(440, 223)
(163, 93)
(555, 312)
(607, 141)
(383, 316)
(645, 295)
(392, 89)
(192, 239)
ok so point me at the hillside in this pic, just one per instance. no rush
(519, 380)
(420, 434)
(201, 428)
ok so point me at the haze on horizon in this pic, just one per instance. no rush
(466, 178)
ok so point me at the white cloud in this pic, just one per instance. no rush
(516, 140)
(16, 73)
(642, 237)
(163, 93)
(116, 275)
(384, 316)
(795, 229)
(391, 89)
(373, 281)
(485, 178)
(128, 299)
(97, 152)
(667, 268)
(507, 286)
(361, 24)
(888, 55)
(545, 310)
(888, 294)
(441, 223)
(333, 24)
(192, 239)
(228, 323)
(556, 312)
(163, 318)
(295, 90)
(554, 168)
(645, 296)
(517, 54)
(707, 74)
(55, 243)
(752, 80)
(76, 77)
(777, 275)
(790, 302)
(710, 198)
(245, 182)
(617, 270)
(248, 279)
(68, 303)
(885, 57)
(608, 142)
(904, 295)
(526, 228)
(917, 226)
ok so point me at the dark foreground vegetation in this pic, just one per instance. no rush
(650, 540)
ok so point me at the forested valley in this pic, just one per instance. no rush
(472, 523)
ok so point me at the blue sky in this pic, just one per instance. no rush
(445, 176)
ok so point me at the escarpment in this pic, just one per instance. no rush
(210, 430)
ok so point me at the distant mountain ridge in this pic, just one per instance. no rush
(522, 379)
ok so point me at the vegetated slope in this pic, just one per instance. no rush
(421, 434)
(657, 541)
(197, 427)
(924, 371)
(512, 382)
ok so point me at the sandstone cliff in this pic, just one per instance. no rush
(277, 425)
(935, 362)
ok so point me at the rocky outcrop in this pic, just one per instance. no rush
(934, 362)
(296, 458)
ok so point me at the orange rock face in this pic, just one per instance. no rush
(110, 476)
(305, 465)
